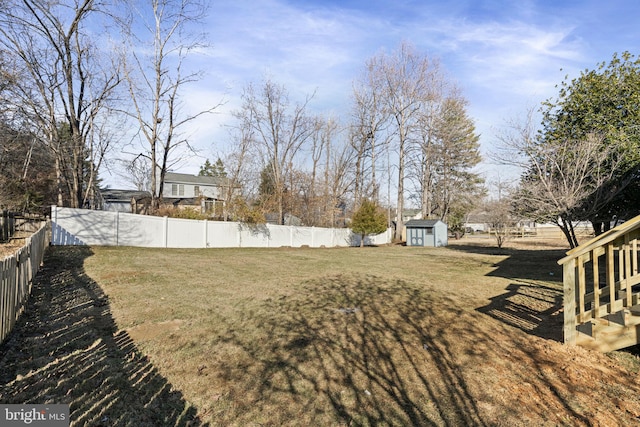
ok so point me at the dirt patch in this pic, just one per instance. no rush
(148, 331)
(8, 249)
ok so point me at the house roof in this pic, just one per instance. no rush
(184, 178)
(422, 223)
(116, 195)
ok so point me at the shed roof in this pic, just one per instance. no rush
(422, 223)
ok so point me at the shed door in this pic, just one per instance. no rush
(416, 237)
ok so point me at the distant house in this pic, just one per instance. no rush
(409, 214)
(478, 222)
(128, 201)
(206, 193)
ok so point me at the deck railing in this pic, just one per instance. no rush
(599, 278)
(16, 277)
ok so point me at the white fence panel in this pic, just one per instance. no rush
(302, 236)
(223, 234)
(83, 227)
(280, 235)
(380, 239)
(140, 230)
(185, 233)
(100, 228)
(254, 236)
(334, 237)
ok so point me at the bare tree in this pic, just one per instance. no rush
(279, 131)
(238, 162)
(66, 84)
(316, 190)
(137, 172)
(159, 42)
(26, 171)
(368, 130)
(339, 178)
(404, 82)
(500, 219)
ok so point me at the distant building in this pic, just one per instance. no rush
(426, 232)
(206, 193)
(128, 201)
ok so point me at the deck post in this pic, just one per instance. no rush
(569, 283)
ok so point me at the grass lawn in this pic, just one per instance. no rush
(464, 335)
(456, 336)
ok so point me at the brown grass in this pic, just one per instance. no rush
(463, 335)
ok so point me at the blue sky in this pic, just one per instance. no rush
(506, 56)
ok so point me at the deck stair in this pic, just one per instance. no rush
(602, 290)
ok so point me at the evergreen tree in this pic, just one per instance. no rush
(216, 169)
(368, 219)
(456, 188)
(605, 103)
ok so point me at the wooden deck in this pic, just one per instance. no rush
(602, 290)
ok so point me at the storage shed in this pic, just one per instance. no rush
(426, 232)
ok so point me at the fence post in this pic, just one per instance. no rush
(291, 236)
(54, 224)
(117, 228)
(206, 234)
(3, 299)
(4, 223)
(166, 231)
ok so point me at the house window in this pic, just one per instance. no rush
(428, 230)
(177, 189)
(196, 190)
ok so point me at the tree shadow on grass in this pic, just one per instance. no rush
(358, 347)
(66, 349)
(533, 301)
(350, 350)
(533, 308)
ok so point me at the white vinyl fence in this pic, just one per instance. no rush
(16, 278)
(101, 228)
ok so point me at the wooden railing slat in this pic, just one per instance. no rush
(569, 270)
(610, 272)
(596, 287)
(634, 256)
(581, 291)
(627, 269)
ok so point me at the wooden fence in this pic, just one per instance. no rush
(16, 277)
(7, 225)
